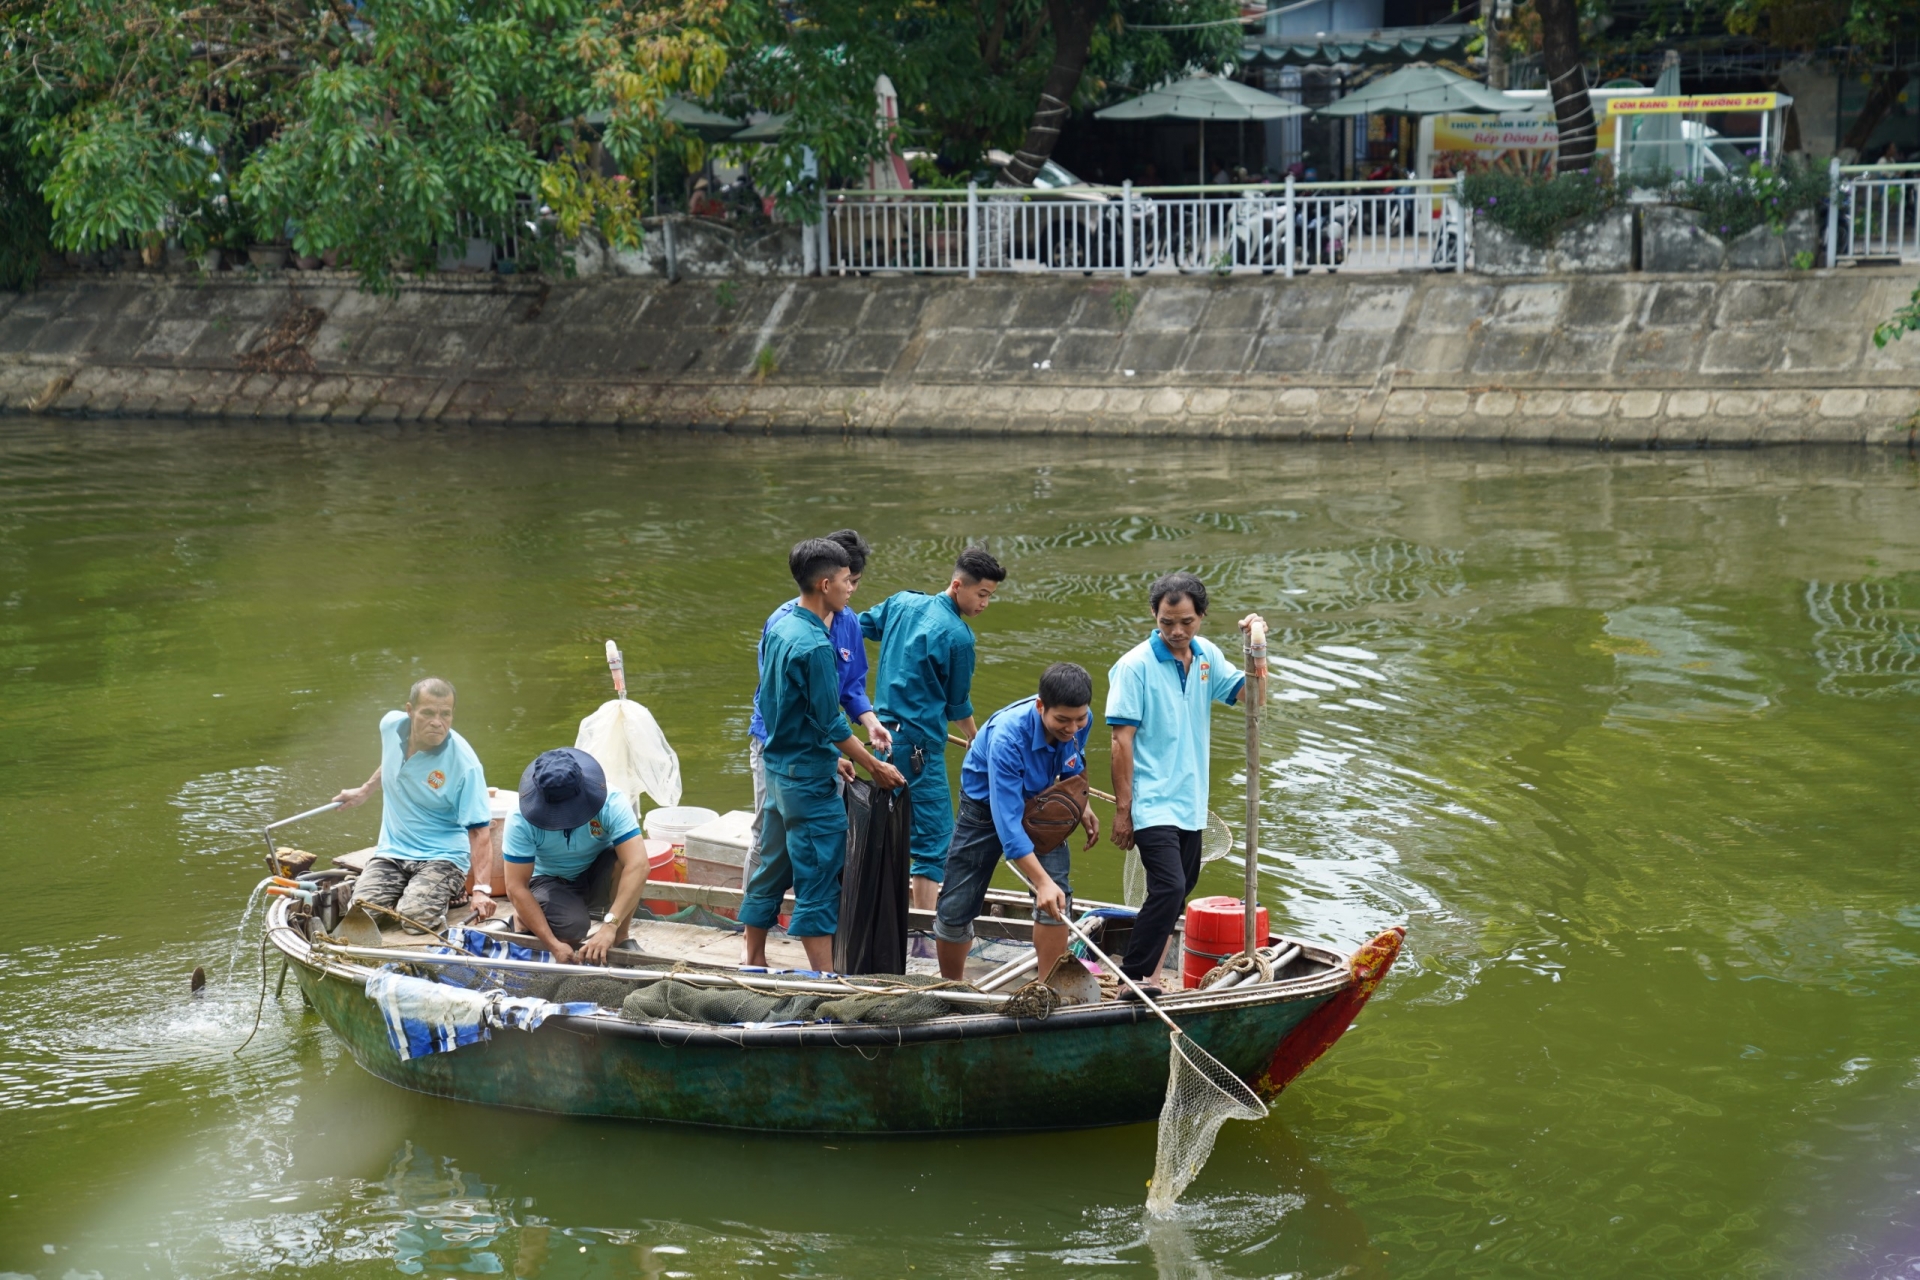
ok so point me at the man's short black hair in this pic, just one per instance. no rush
(814, 559)
(1176, 587)
(1066, 684)
(856, 547)
(975, 565)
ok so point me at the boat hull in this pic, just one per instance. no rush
(1080, 1068)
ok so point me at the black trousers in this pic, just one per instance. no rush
(1172, 861)
(572, 906)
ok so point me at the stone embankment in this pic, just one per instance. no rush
(1636, 360)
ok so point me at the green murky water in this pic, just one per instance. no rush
(1628, 740)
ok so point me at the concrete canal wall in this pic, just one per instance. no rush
(1628, 360)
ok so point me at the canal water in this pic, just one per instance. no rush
(1626, 740)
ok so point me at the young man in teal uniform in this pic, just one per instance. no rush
(850, 656)
(1023, 748)
(573, 851)
(436, 824)
(1160, 698)
(804, 832)
(925, 684)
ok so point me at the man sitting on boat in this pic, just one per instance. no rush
(573, 851)
(850, 659)
(1024, 749)
(435, 828)
(925, 683)
(804, 835)
(1160, 698)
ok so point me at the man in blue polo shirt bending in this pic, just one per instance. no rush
(849, 657)
(572, 851)
(1023, 749)
(434, 829)
(1160, 698)
(926, 683)
(804, 836)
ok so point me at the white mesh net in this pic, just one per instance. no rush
(1133, 879)
(1202, 1095)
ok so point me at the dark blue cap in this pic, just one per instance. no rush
(562, 789)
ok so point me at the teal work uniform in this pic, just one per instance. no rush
(803, 843)
(431, 799)
(568, 854)
(1172, 714)
(925, 681)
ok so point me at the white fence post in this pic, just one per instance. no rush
(1833, 211)
(973, 230)
(1291, 215)
(1460, 249)
(1126, 229)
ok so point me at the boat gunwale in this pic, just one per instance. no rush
(1336, 978)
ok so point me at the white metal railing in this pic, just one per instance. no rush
(1269, 228)
(1874, 212)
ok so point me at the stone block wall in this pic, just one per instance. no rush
(1621, 360)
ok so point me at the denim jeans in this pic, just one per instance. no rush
(972, 858)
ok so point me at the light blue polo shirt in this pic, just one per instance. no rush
(431, 799)
(1171, 710)
(568, 854)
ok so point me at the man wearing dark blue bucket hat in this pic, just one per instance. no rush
(573, 848)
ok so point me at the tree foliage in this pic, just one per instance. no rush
(372, 128)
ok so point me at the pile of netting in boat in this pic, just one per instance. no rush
(896, 1000)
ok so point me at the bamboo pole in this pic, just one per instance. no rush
(1255, 695)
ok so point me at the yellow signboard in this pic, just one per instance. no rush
(1694, 104)
(1505, 133)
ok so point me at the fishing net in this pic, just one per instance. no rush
(1202, 1095)
(608, 993)
(872, 937)
(1133, 879)
(685, 1002)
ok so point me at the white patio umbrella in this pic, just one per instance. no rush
(1420, 90)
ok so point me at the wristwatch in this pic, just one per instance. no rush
(611, 919)
(484, 888)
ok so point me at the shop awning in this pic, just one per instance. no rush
(1388, 46)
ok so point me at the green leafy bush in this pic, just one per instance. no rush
(1535, 208)
(1730, 205)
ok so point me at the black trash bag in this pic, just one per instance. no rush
(872, 935)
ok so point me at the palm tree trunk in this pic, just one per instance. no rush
(1072, 22)
(1567, 82)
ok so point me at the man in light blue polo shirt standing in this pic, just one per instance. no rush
(435, 827)
(573, 851)
(1160, 698)
(925, 684)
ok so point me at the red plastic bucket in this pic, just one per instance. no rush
(666, 864)
(1216, 930)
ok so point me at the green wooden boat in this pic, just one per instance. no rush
(1082, 1066)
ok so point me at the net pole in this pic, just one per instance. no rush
(1256, 697)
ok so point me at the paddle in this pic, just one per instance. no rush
(1202, 1094)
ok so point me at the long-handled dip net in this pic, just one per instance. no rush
(1215, 845)
(1202, 1095)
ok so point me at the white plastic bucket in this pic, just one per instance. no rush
(673, 822)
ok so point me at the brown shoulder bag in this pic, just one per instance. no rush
(1051, 816)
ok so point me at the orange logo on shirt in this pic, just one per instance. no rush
(1204, 668)
(436, 779)
(596, 828)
